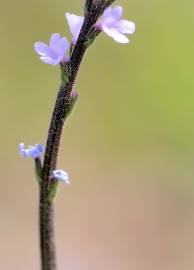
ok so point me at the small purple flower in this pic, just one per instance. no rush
(54, 53)
(32, 151)
(112, 24)
(75, 24)
(62, 176)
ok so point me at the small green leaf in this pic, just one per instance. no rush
(72, 101)
(65, 73)
(54, 188)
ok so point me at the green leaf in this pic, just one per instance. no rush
(54, 188)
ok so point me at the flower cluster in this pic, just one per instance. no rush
(58, 52)
(111, 23)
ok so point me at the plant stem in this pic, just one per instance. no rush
(47, 245)
(59, 116)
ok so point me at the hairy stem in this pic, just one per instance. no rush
(61, 106)
(60, 113)
(47, 245)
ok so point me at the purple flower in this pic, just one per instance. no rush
(32, 151)
(61, 175)
(75, 24)
(54, 53)
(112, 24)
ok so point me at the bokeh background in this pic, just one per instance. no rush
(129, 146)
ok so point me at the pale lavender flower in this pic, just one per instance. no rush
(112, 24)
(75, 24)
(32, 151)
(55, 52)
(61, 175)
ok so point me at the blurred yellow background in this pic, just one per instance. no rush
(129, 146)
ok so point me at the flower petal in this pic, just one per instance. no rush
(118, 37)
(126, 27)
(39, 147)
(64, 46)
(55, 40)
(75, 24)
(22, 150)
(21, 146)
(107, 13)
(48, 60)
(42, 49)
(61, 175)
(117, 12)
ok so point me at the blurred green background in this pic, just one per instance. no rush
(129, 146)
